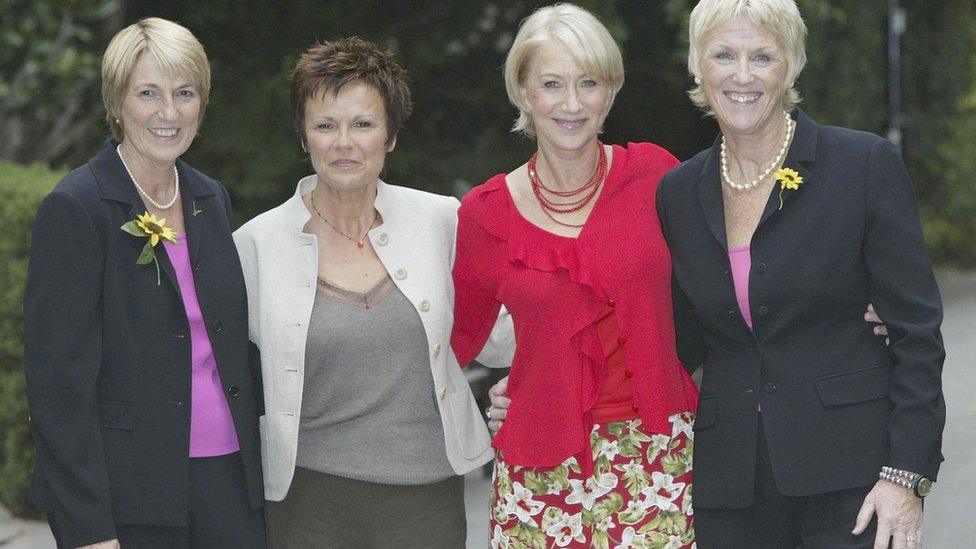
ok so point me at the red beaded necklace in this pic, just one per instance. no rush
(588, 189)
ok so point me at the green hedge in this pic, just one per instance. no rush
(21, 191)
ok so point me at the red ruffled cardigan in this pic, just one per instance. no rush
(556, 289)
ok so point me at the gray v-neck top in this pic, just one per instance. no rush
(369, 410)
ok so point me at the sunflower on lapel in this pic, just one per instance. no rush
(147, 226)
(788, 179)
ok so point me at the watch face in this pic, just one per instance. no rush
(923, 487)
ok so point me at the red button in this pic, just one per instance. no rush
(628, 374)
(635, 408)
(611, 303)
(621, 340)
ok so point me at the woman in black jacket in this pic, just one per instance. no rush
(780, 234)
(144, 397)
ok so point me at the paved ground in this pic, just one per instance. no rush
(950, 522)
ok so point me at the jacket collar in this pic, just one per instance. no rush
(116, 185)
(297, 215)
(801, 157)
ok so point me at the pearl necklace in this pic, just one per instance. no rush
(176, 193)
(790, 126)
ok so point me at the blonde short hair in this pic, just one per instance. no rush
(176, 50)
(587, 40)
(781, 18)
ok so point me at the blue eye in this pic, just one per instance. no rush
(723, 56)
(146, 93)
(364, 124)
(763, 59)
(186, 93)
(323, 126)
(590, 83)
(550, 84)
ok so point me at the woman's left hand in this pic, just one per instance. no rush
(881, 329)
(499, 405)
(899, 516)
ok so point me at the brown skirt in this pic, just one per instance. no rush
(329, 511)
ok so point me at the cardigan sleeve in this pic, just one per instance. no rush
(63, 350)
(476, 309)
(904, 292)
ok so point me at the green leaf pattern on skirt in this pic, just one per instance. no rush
(639, 496)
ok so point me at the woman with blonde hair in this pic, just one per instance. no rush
(596, 447)
(810, 431)
(143, 394)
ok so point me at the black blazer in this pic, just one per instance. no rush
(108, 352)
(836, 402)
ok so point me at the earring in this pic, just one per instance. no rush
(304, 150)
(697, 81)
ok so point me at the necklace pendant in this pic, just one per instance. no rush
(360, 243)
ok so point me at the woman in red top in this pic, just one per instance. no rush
(596, 446)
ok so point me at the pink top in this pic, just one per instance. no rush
(212, 430)
(741, 261)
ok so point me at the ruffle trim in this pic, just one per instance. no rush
(501, 219)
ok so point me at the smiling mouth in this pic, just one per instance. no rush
(570, 124)
(164, 132)
(743, 98)
(344, 164)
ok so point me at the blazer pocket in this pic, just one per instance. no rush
(117, 415)
(707, 412)
(852, 387)
(467, 422)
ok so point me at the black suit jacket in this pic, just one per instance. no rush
(836, 402)
(108, 352)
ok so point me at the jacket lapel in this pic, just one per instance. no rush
(198, 209)
(115, 185)
(710, 195)
(801, 156)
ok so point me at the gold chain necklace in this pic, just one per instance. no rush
(361, 241)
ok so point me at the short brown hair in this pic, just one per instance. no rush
(328, 66)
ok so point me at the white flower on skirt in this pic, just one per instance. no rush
(520, 504)
(605, 524)
(674, 542)
(630, 538)
(499, 539)
(662, 492)
(609, 450)
(595, 488)
(679, 425)
(566, 529)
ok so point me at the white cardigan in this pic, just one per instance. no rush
(416, 245)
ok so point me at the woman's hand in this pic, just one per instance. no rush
(110, 544)
(499, 405)
(899, 516)
(872, 316)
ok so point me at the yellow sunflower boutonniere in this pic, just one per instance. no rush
(147, 226)
(788, 179)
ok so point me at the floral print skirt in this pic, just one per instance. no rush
(638, 497)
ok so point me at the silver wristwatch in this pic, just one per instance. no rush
(920, 485)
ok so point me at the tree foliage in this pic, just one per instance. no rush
(50, 53)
